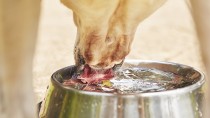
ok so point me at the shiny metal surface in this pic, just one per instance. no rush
(66, 102)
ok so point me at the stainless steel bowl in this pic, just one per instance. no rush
(67, 102)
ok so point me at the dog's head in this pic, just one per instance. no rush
(106, 29)
(100, 51)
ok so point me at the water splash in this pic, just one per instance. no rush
(138, 80)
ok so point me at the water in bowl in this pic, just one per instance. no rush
(134, 80)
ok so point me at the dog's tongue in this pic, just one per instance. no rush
(90, 75)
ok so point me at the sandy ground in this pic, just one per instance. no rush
(167, 35)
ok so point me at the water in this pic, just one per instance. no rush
(138, 80)
(135, 80)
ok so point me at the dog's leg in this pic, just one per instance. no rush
(200, 12)
(18, 30)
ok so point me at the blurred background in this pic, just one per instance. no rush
(168, 35)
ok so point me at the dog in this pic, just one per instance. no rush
(105, 32)
(106, 28)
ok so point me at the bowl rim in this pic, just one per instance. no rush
(186, 89)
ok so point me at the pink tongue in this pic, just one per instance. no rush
(95, 76)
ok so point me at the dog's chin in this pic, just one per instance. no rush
(117, 66)
(113, 67)
(100, 68)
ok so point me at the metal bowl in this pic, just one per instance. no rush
(66, 102)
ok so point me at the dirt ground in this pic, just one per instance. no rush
(167, 35)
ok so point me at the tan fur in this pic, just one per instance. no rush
(18, 29)
(201, 10)
(106, 28)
